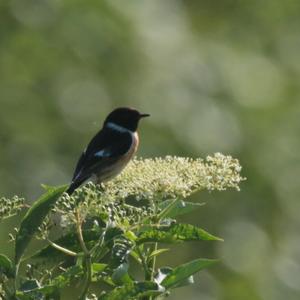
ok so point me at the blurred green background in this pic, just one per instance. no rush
(214, 75)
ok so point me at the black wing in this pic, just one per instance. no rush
(107, 146)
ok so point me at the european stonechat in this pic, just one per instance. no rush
(110, 149)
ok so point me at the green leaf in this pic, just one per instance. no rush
(59, 282)
(34, 218)
(185, 282)
(120, 275)
(30, 290)
(173, 208)
(157, 252)
(26, 296)
(6, 266)
(163, 272)
(130, 235)
(46, 187)
(175, 233)
(120, 251)
(97, 271)
(101, 249)
(112, 233)
(169, 205)
(66, 277)
(97, 267)
(135, 256)
(29, 285)
(134, 290)
(182, 273)
(69, 241)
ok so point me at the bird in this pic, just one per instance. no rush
(110, 150)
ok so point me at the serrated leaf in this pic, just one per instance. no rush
(134, 290)
(183, 272)
(34, 218)
(175, 233)
(111, 233)
(6, 266)
(130, 235)
(66, 277)
(120, 251)
(176, 208)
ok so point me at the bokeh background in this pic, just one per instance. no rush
(214, 75)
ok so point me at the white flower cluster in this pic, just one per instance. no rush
(150, 180)
(172, 177)
(10, 207)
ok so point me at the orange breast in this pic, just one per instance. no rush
(134, 146)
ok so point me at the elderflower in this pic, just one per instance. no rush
(10, 207)
(150, 180)
(173, 177)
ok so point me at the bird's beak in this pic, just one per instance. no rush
(144, 115)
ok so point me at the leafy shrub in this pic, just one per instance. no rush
(104, 228)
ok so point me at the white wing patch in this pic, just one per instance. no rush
(103, 153)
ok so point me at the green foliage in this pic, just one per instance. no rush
(214, 74)
(183, 272)
(134, 290)
(174, 208)
(34, 218)
(106, 226)
(6, 266)
(175, 233)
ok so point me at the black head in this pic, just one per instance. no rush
(126, 117)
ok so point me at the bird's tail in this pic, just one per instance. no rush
(70, 189)
(73, 186)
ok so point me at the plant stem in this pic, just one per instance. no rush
(153, 262)
(144, 263)
(153, 267)
(88, 264)
(159, 217)
(87, 256)
(16, 276)
(62, 249)
(80, 236)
